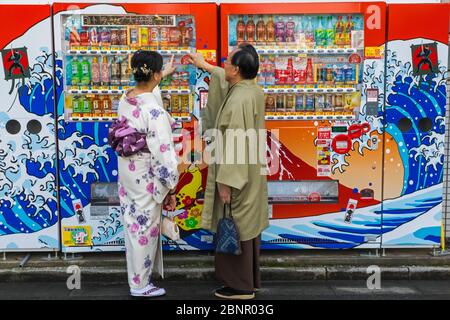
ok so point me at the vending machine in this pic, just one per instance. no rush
(322, 69)
(93, 47)
(28, 189)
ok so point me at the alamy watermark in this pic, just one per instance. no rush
(74, 280)
(374, 280)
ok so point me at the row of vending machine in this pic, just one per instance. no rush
(355, 104)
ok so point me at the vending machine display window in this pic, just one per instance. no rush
(97, 53)
(310, 65)
(306, 191)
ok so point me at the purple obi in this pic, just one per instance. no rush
(125, 140)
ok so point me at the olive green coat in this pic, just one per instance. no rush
(238, 107)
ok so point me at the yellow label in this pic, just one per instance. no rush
(209, 55)
(74, 236)
(373, 52)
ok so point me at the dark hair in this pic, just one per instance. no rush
(144, 64)
(247, 59)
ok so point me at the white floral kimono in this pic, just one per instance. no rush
(144, 181)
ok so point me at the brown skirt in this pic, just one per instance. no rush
(240, 272)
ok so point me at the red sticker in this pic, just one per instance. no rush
(185, 59)
(354, 58)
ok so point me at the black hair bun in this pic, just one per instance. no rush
(144, 64)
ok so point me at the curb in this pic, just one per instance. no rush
(119, 275)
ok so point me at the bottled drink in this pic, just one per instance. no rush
(133, 41)
(76, 71)
(87, 105)
(338, 102)
(240, 30)
(106, 104)
(349, 27)
(319, 34)
(290, 72)
(124, 72)
(339, 30)
(175, 103)
(339, 75)
(174, 36)
(330, 33)
(290, 30)
(74, 37)
(154, 36)
(123, 36)
(105, 72)
(280, 30)
(85, 72)
(250, 30)
(115, 74)
(329, 102)
(77, 105)
(97, 107)
(260, 31)
(309, 34)
(95, 72)
(270, 103)
(184, 103)
(270, 27)
(309, 72)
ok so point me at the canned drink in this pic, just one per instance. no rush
(176, 79)
(115, 105)
(184, 78)
(300, 102)
(143, 33)
(185, 103)
(290, 102)
(320, 102)
(105, 37)
(115, 37)
(123, 36)
(164, 36)
(329, 102)
(154, 36)
(133, 36)
(93, 36)
(270, 102)
(174, 36)
(84, 37)
(338, 102)
(175, 103)
(309, 102)
(280, 102)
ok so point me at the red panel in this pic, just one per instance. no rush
(372, 37)
(15, 20)
(410, 21)
(205, 16)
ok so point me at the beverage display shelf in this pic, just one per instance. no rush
(288, 51)
(309, 90)
(112, 118)
(110, 52)
(100, 91)
(301, 116)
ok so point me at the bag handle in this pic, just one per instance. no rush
(225, 207)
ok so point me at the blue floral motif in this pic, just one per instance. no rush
(163, 172)
(142, 220)
(132, 208)
(147, 262)
(155, 113)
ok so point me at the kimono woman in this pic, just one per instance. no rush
(147, 179)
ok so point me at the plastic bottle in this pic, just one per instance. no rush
(250, 30)
(270, 27)
(349, 27)
(115, 72)
(125, 74)
(85, 72)
(330, 33)
(319, 34)
(240, 30)
(261, 31)
(290, 30)
(105, 74)
(280, 30)
(87, 105)
(309, 72)
(339, 30)
(309, 34)
(75, 72)
(95, 72)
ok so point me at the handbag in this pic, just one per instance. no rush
(170, 229)
(227, 237)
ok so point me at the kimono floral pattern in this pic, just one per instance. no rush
(145, 179)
